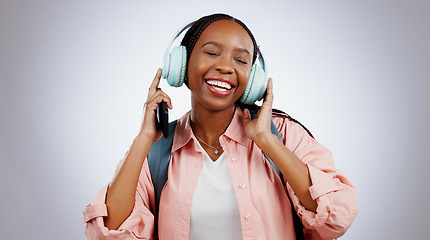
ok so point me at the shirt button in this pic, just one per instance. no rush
(233, 159)
(242, 186)
(247, 217)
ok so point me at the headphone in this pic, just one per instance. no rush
(175, 64)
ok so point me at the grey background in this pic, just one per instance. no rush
(74, 76)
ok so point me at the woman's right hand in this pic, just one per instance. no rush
(120, 197)
(155, 96)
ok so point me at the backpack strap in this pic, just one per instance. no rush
(158, 161)
(298, 225)
(274, 131)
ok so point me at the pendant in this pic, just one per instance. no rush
(216, 152)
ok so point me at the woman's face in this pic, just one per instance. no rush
(219, 65)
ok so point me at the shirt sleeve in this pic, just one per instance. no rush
(335, 195)
(140, 223)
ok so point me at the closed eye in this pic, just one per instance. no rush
(212, 53)
(242, 61)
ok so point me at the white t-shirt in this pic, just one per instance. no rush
(214, 211)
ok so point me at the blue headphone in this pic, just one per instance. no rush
(175, 64)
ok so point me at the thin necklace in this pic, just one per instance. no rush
(214, 148)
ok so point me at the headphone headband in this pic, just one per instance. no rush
(167, 53)
(185, 27)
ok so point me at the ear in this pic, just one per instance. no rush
(186, 77)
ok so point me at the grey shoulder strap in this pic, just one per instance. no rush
(275, 131)
(158, 160)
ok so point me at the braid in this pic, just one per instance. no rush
(280, 113)
(275, 112)
(193, 34)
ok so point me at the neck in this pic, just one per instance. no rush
(209, 125)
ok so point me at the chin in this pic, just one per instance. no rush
(215, 105)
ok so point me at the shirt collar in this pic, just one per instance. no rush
(235, 131)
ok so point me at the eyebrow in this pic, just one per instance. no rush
(220, 45)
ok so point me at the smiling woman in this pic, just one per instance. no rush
(221, 183)
(219, 68)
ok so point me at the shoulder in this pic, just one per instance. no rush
(284, 122)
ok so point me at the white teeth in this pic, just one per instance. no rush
(219, 84)
(220, 89)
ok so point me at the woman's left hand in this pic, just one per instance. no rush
(262, 123)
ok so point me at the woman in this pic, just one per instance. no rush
(220, 185)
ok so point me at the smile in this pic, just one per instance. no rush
(219, 85)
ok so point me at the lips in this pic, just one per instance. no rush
(219, 85)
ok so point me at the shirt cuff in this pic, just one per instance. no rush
(97, 208)
(322, 183)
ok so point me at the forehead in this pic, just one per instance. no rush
(227, 33)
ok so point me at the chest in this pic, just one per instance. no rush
(254, 183)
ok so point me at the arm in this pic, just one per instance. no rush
(120, 197)
(335, 195)
(324, 199)
(294, 170)
(140, 223)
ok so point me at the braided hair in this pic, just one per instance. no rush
(193, 34)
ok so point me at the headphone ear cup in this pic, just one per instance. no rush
(245, 95)
(175, 70)
(256, 86)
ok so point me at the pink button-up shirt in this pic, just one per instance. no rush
(265, 209)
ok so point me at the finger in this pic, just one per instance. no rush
(155, 83)
(159, 96)
(156, 80)
(164, 97)
(167, 100)
(246, 116)
(268, 100)
(270, 89)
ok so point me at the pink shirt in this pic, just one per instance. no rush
(265, 210)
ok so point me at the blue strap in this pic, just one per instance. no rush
(298, 226)
(158, 160)
(274, 131)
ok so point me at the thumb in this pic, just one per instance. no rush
(246, 116)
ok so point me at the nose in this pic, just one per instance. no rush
(225, 66)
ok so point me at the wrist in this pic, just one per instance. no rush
(144, 139)
(263, 140)
(148, 134)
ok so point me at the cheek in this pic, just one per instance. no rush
(196, 68)
(243, 79)
(195, 73)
